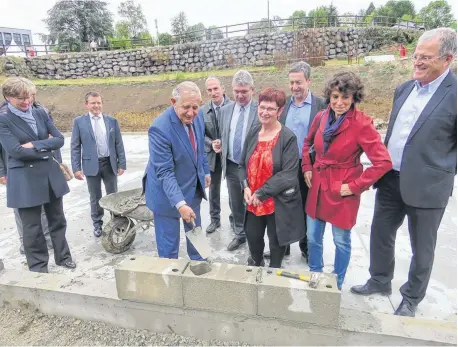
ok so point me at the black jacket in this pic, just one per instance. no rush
(283, 186)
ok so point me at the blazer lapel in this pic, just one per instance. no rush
(252, 115)
(107, 122)
(313, 110)
(285, 110)
(396, 108)
(22, 124)
(87, 119)
(432, 104)
(184, 138)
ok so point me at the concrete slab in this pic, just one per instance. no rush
(292, 299)
(93, 262)
(226, 288)
(151, 279)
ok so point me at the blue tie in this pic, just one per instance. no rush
(237, 146)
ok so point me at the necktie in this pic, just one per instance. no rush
(237, 145)
(102, 148)
(192, 139)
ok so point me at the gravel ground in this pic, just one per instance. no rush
(22, 327)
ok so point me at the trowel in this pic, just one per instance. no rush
(199, 240)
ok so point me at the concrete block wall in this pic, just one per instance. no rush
(228, 288)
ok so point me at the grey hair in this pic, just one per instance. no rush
(301, 66)
(447, 40)
(243, 78)
(187, 86)
(212, 78)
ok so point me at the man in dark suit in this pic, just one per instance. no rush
(97, 143)
(177, 172)
(299, 112)
(34, 180)
(421, 139)
(211, 112)
(236, 120)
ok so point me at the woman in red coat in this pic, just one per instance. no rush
(339, 135)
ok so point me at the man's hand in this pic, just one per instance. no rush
(308, 178)
(345, 190)
(50, 136)
(208, 180)
(255, 200)
(247, 195)
(3, 180)
(187, 213)
(28, 145)
(216, 145)
(120, 172)
(79, 175)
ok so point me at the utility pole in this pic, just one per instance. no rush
(157, 32)
(268, 13)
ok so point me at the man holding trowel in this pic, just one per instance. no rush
(177, 172)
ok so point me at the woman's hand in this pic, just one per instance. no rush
(308, 178)
(255, 201)
(247, 195)
(345, 190)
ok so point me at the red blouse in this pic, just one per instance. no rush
(260, 169)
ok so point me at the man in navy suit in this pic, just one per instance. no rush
(177, 172)
(97, 144)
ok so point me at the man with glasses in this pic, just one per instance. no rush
(421, 139)
(236, 120)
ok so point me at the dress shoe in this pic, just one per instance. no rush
(235, 243)
(370, 288)
(212, 227)
(405, 309)
(251, 262)
(305, 255)
(287, 252)
(21, 249)
(69, 264)
(98, 231)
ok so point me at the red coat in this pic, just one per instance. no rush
(341, 164)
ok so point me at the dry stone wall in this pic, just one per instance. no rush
(253, 50)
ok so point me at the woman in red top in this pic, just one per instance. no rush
(340, 134)
(268, 172)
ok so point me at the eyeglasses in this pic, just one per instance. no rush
(268, 109)
(425, 58)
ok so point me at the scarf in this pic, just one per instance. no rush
(26, 116)
(332, 125)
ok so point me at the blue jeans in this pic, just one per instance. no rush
(315, 232)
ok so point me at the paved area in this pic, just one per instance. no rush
(93, 261)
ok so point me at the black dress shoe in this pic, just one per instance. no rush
(212, 227)
(370, 288)
(405, 309)
(251, 262)
(69, 264)
(287, 252)
(98, 231)
(235, 243)
(305, 255)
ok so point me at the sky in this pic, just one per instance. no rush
(29, 14)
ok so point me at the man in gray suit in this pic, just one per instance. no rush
(211, 112)
(299, 112)
(97, 143)
(236, 120)
(421, 139)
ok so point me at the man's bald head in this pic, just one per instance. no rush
(186, 100)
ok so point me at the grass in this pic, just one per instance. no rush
(171, 76)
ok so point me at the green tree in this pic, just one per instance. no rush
(300, 20)
(133, 16)
(196, 32)
(436, 14)
(318, 17)
(370, 9)
(394, 10)
(165, 39)
(213, 33)
(333, 14)
(74, 22)
(266, 26)
(122, 30)
(180, 26)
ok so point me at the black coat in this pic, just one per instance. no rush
(283, 186)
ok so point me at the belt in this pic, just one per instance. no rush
(104, 158)
(395, 172)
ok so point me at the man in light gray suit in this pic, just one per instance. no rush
(97, 143)
(211, 112)
(421, 139)
(236, 120)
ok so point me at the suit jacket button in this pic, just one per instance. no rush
(31, 165)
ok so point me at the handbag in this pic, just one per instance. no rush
(68, 174)
(312, 153)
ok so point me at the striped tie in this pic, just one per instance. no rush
(237, 146)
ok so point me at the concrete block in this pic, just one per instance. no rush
(292, 299)
(226, 288)
(152, 280)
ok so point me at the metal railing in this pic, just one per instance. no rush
(28, 50)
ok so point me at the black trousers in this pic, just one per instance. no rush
(236, 201)
(215, 191)
(423, 223)
(36, 251)
(255, 230)
(304, 191)
(94, 185)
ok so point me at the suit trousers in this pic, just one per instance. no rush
(236, 201)
(255, 230)
(36, 251)
(44, 225)
(423, 223)
(215, 191)
(94, 185)
(304, 191)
